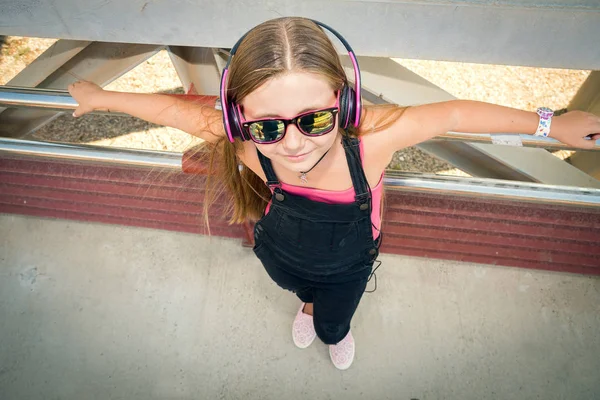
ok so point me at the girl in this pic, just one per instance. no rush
(313, 161)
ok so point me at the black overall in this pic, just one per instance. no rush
(322, 252)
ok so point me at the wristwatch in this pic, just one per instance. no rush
(543, 128)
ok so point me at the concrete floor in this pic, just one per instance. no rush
(91, 311)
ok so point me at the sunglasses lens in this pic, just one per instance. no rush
(317, 123)
(267, 131)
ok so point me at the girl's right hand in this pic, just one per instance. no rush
(86, 94)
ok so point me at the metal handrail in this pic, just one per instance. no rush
(15, 96)
(60, 100)
(82, 152)
(394, 180)
(492, 188)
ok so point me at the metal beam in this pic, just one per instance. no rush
(587, 99)
(469, 159)
(197, 68)
(49, 61)
(539, 165)
(543, 33)
(98, 62)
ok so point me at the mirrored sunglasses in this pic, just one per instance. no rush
(311, 123)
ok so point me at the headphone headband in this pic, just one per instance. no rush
(357, 95)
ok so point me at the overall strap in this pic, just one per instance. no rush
(267, 167)
(359, 180)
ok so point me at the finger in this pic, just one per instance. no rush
(78, 112)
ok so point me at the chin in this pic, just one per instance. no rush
(292, 166)
(297, 167)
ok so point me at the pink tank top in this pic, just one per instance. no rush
(341, 196)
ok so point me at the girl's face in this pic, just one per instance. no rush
(286, 96)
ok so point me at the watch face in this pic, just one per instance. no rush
(545, 112)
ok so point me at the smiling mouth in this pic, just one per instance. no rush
(298, 157)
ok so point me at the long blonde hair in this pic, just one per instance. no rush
(272, 48)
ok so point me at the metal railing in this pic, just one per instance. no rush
(65, 151)
(491, 188)
(60, 100)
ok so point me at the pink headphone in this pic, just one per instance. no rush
(350, 99)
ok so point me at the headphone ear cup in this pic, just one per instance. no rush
(235, 122)
(347, 107)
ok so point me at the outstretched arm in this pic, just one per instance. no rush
(420, 123)
(196, 119)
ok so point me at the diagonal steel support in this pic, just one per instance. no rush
(197, 68)
(587, 99)
(385, 81)
(97, 62)
(49, 61)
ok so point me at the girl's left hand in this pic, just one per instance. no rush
(573, 127)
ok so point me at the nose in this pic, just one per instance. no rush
(293, 141)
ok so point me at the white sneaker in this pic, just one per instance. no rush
(303, 329)
(342, 354)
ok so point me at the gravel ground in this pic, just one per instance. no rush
(520, 87)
